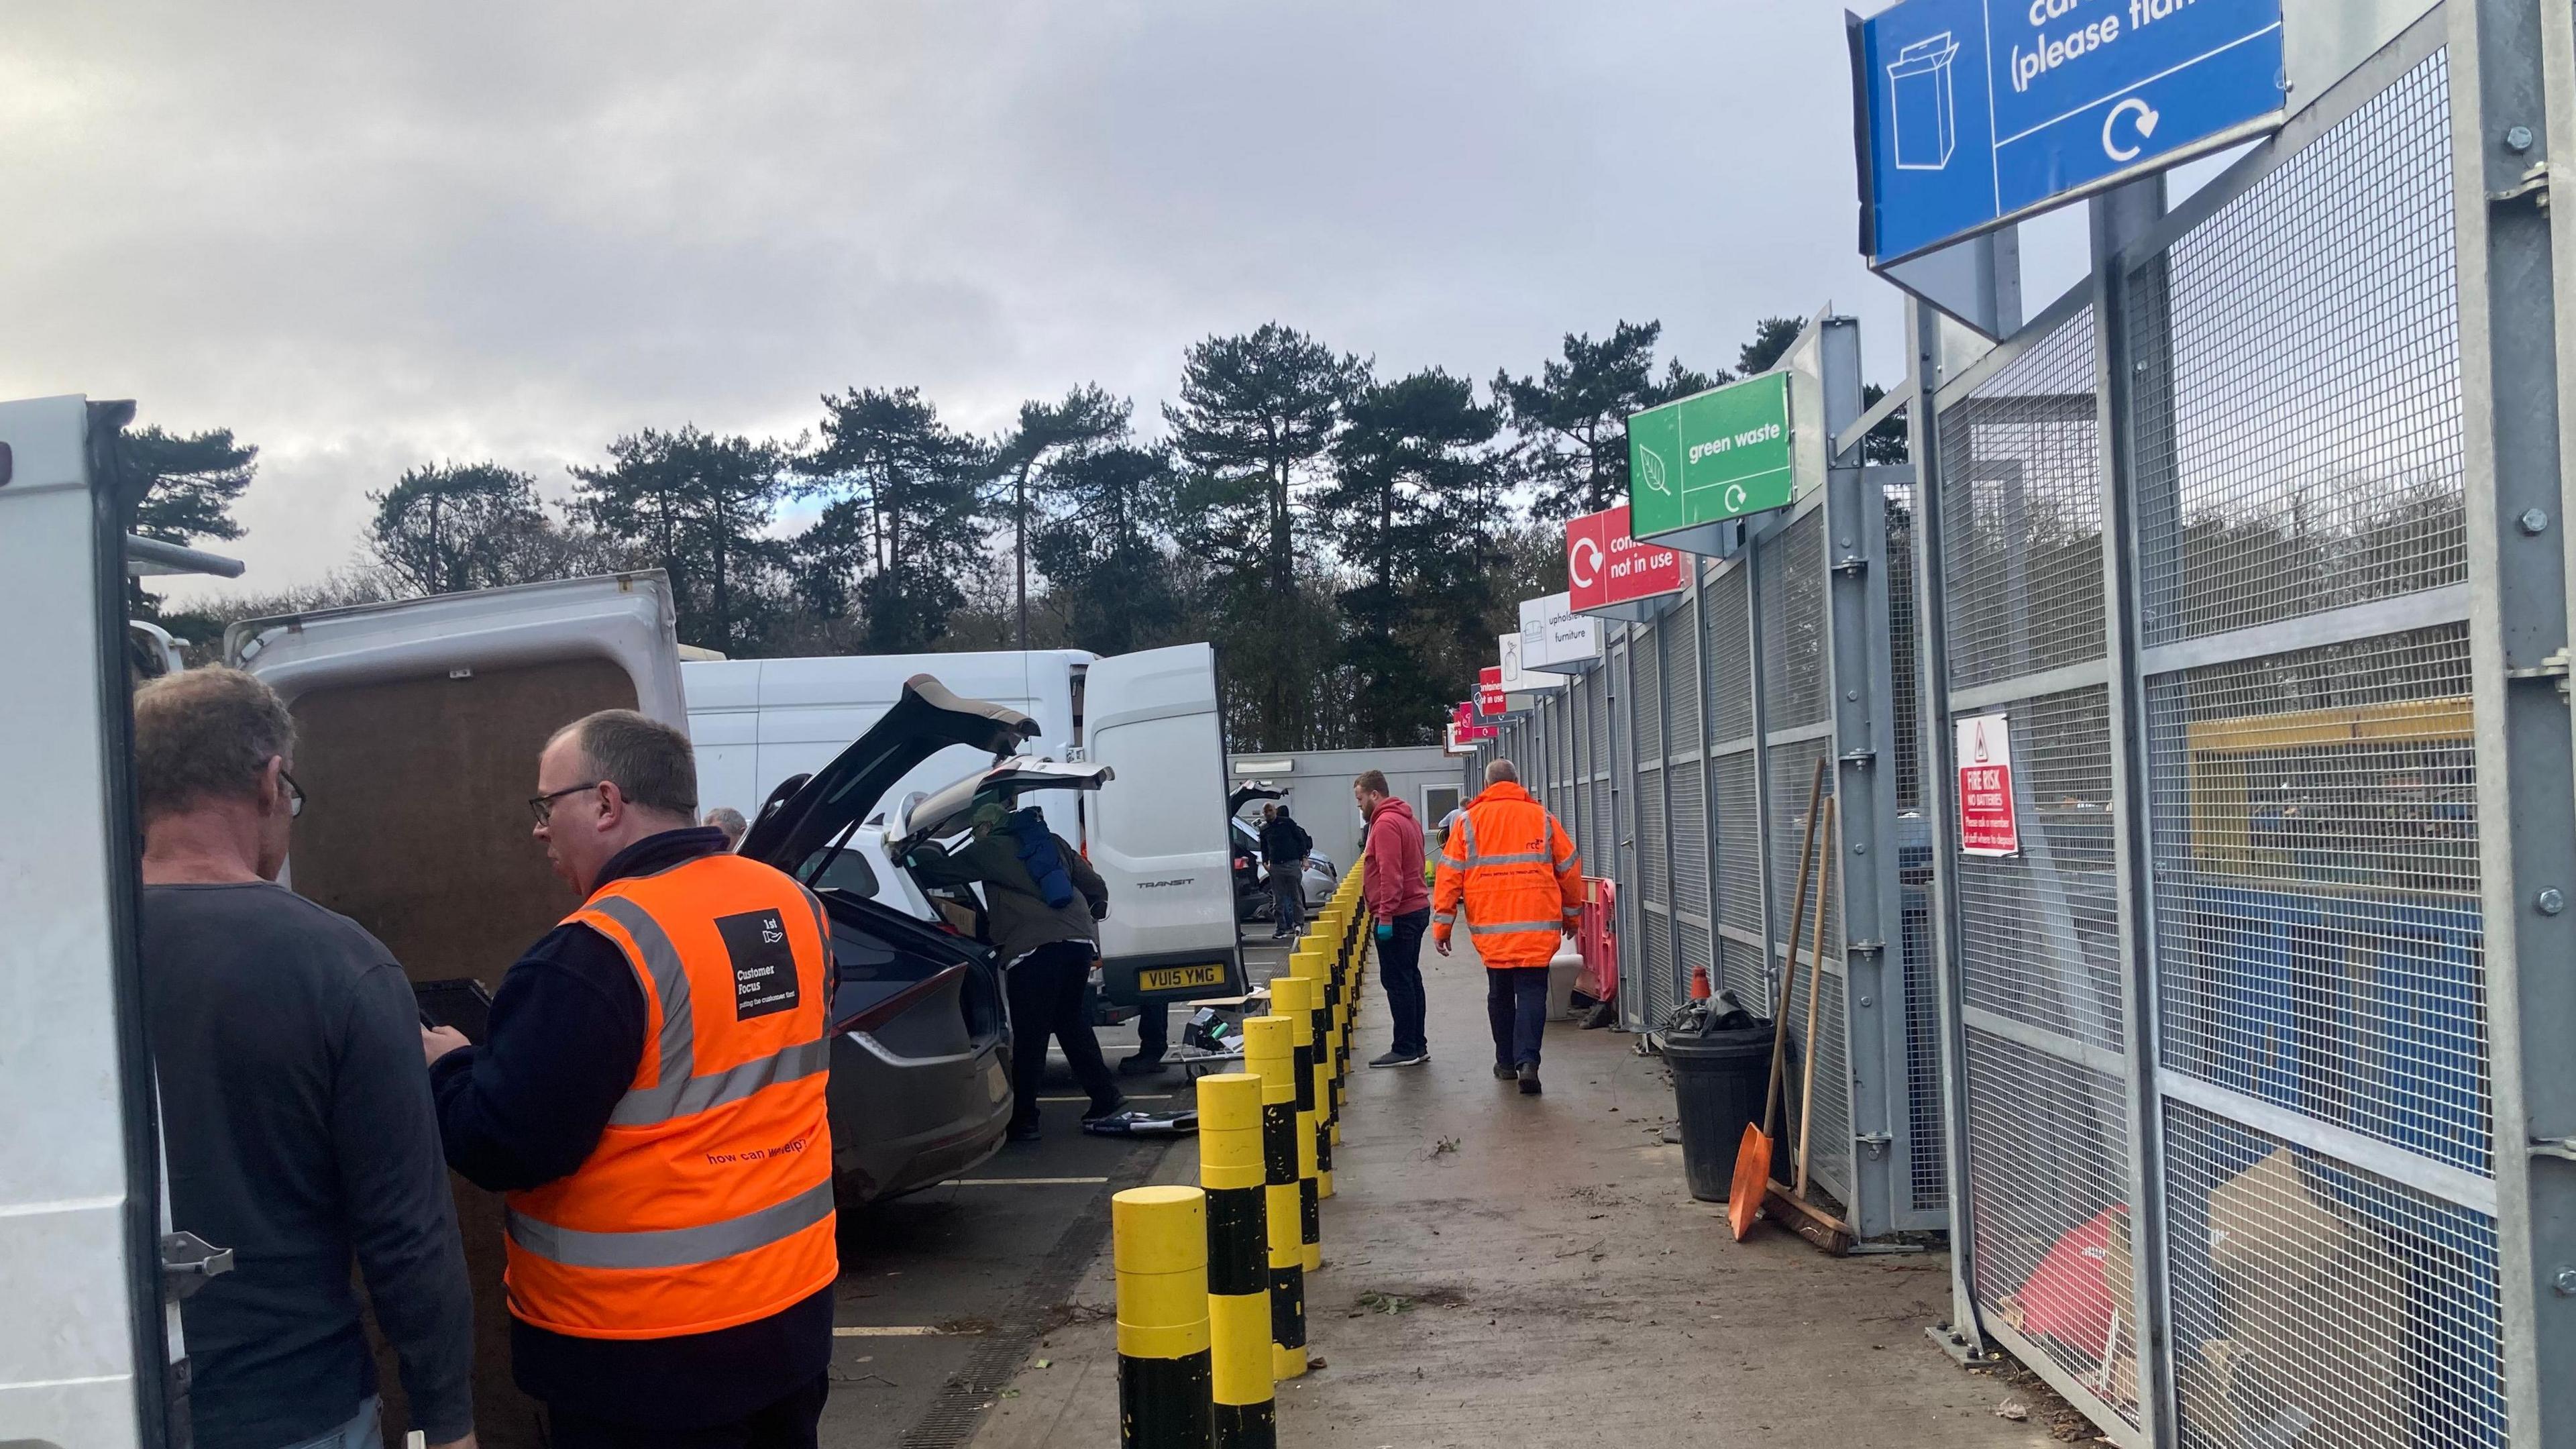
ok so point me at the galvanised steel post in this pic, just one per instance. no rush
(1622, 754)
(1757, 567)
(1964, 1335)
(1860, 676)
(1707, 842)
(2119, 219)
(1662, 704)
(2513, 108)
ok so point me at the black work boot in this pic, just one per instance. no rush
(1529, 1079)
(1504, 1073)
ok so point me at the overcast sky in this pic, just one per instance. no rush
(370, 236)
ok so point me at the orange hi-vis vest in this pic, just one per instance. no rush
(708, 1201)
(1511, 870)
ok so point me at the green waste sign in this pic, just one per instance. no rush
(1712, 456)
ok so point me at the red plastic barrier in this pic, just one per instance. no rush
(1597, 937)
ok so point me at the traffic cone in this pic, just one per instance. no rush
(1699, 983)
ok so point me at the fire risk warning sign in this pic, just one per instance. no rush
(1987, 825)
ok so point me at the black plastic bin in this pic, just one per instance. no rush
(1718, 1082)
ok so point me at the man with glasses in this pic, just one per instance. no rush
(296, 1116)
(650, 1099)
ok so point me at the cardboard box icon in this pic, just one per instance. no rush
(1919, 107)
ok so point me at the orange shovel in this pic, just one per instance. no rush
(1753, 1158)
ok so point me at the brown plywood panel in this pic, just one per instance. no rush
(416, 826)
(416, 823)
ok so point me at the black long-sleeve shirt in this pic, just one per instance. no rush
(528, 1106)
(300, 1135)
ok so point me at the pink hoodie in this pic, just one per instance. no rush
(1393, 882)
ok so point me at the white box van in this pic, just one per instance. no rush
(1151, 716)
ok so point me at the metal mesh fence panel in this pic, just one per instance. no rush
(2319, 932)
(2317, 1300)
(1650, 837)
(1603, 847)
(1690, 840)
(1905, 675)
(1645, 656)
(1927, 1172)
(1794, 625)
(1655, 967)
(2301, 442)
(2021, 496)
(2038, 932)
(2048, 1152)
(1740, 967)
(1730, 649)
(1739, 840)
(1680, 633)
(1793, 769)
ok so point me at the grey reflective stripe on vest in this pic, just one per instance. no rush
(674, 1247)
(678, 1090)
(1508, 927)
(1527, 857)
(678, 1056)
(687, 1096)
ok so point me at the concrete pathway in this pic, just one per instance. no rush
(1503, 1270)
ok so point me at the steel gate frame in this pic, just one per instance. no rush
(2510, 62)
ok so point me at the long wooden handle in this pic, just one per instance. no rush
(1815, 994)
(1789, 975)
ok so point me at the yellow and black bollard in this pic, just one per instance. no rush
(1293, 997)
(1328, 1086)
(1311, 967)
(1238, 1260)
(1270, 1055)
(1159, 1245)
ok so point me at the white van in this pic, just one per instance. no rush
(1152, 717)
(760, 722)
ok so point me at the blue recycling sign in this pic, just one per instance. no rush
(1980, 110)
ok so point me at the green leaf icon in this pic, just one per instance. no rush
(1654, 467)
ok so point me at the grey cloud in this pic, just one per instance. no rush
(368, 236)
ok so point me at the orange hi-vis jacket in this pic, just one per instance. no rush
(1514, 871)
(708, 1201)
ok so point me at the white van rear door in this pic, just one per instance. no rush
(77, 1193)
(624, 619)
(1158, 831)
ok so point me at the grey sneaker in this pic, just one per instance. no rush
(1400, 1059)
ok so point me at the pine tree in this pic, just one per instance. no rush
(1086, 420)
(1571, 420)
(191, 482)
(447, 527)
(1415, 486)
(1256, 418)
(904, 522)
(698, 506)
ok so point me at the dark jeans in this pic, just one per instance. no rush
(1046, 1000)
(1288, 899)
(1516, 1004)
(1399, 968)
(786, 1424)
(1153, 1031)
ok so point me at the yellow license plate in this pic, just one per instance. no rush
(1177, 978)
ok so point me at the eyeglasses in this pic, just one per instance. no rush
(543, 806)
(294, 794)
